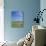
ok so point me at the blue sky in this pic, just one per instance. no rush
(17, 15)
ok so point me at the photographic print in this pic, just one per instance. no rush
(17, 19)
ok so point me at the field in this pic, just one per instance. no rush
(17, 24)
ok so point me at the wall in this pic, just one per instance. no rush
(43, 6)
(29, 7)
